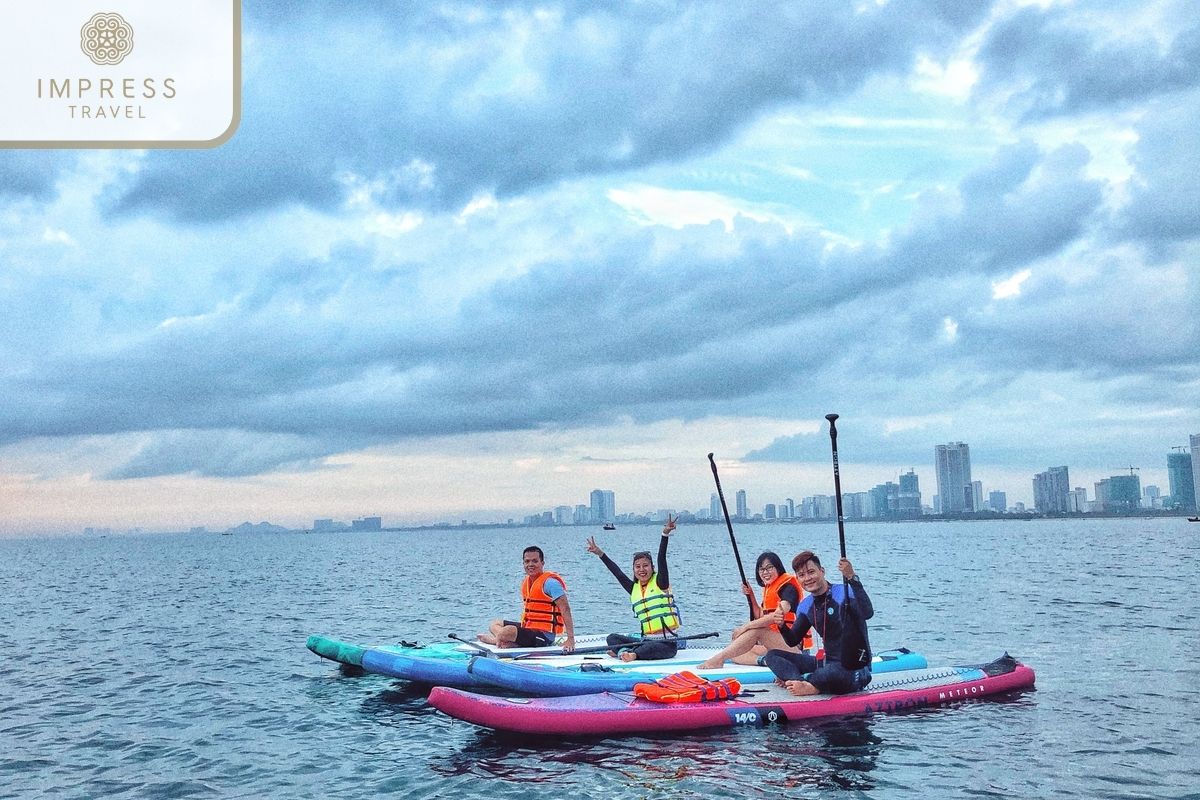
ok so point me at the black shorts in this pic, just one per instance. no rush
(528, 637)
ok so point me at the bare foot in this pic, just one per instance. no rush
(486, 638)
(800, 688)
(712, 663)
(611, 653)
(629, 655)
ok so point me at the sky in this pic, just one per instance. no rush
(472, 260)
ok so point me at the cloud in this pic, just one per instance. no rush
(1066, 61)
(1163, 201)
(435, 105)
(222, 454)
(646, 322)
(31, 173)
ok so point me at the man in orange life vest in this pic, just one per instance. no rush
(545, 612)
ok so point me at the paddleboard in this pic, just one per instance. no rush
(548, 679)
(611, 713)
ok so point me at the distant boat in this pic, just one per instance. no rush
(608, 526)
(1193, 519)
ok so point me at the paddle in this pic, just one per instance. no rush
(729, 525)
(577, 651)
(606, 648)
(859, 625)
(837, 486)
(476, 645)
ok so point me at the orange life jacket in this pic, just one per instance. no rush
(771, 602)
(688, 687)
(539, 612)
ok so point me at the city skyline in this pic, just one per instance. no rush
(1052, 491)
(499, 254)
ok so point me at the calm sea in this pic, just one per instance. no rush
(174, 666)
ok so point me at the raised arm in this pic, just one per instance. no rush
(625, 581)
(662, 577)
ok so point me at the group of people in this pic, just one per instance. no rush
(779, 634)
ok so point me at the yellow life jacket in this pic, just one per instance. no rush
(688, 687)
(655, 607)
(540, 612)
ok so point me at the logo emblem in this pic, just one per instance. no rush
(106, 38)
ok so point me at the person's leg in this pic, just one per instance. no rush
(737, 647)
(651, 650)
(618, 640)
(768, 639)
(504, 633)
(788, 665)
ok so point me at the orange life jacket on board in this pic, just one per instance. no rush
(687, 687)
(539, 612)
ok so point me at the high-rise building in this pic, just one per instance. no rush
(564, 515)
(769, 511)
(952, 463)
(1077, 502)
(885, 500)
(1181, 482)
(604, 506)
(714, 506)
(789, 509)
(742, 510)
(998, 502)
(977, 495)
(1051, 491)
(1119, 493)
(1194, 441)
(909, 500)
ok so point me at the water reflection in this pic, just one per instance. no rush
(836, 755)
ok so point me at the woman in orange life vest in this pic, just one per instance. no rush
(652, 601)
(751, 641)
(545, 612)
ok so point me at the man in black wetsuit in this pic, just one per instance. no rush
(652, 601)
(839, 615)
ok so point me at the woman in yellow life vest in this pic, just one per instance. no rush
(752, 640)
(652, 601)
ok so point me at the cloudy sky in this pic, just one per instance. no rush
(475, 259)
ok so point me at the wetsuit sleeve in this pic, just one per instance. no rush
(794, 634)
(861, 599)
(790, 594)
(661, 577)
(625, 581)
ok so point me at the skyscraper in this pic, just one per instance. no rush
(1051, 491)
(714, 506)
(1119, 493)
(742, 510)
(604, 506)
(1181, 482)
(909, 501)
(1195, 443)
(952, 463)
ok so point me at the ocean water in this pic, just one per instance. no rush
(174, 666)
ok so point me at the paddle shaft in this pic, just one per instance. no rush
(837, 486)
(469, 643)
(729, 526)
(606, 648)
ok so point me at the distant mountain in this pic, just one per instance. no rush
(262, 527)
